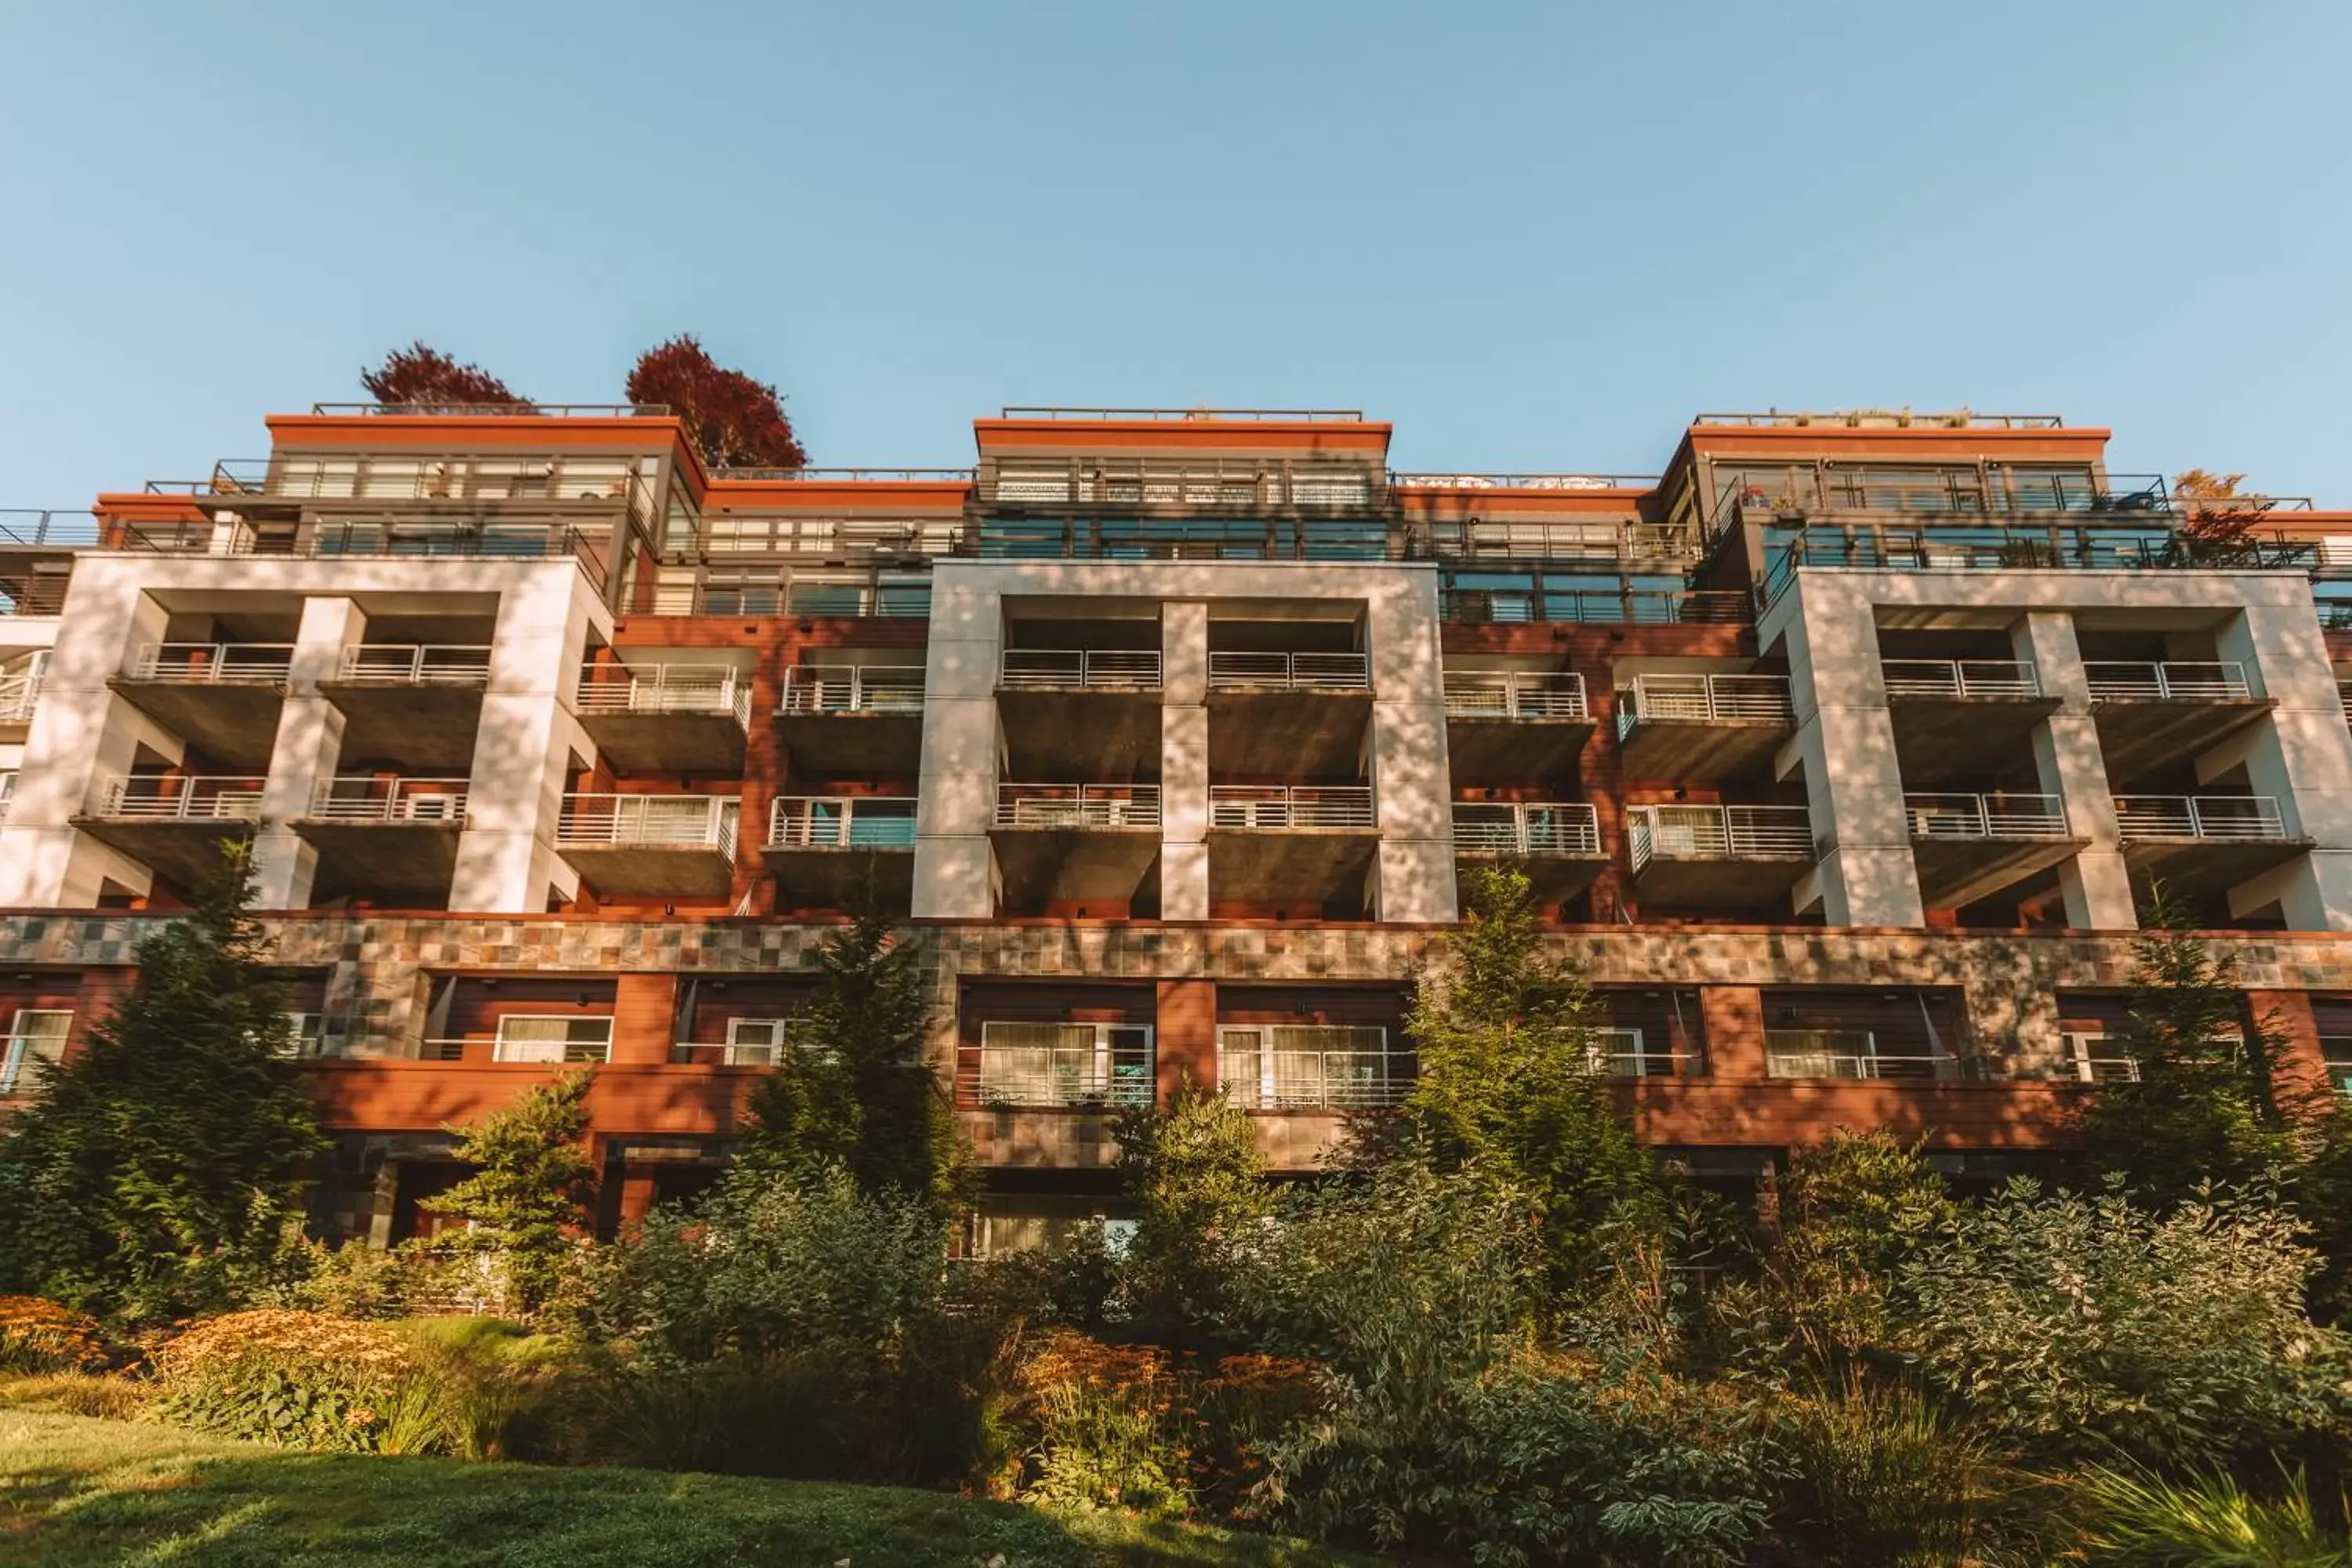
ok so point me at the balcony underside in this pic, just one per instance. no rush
(1550, 878)
(842, 878)
(684, 743)
(2198, 868)
(234, 725)
(1288, 734)
(183, 852)
(1678, 750)
(691, 870)
(1067, 865)
(1941, 738)
(2137, 739)
(1094, 734)
(425, 728)
(1958, 871)
(1515, 750)
(1751, 883)
(1291, 866)
(365, 860)
(855, 746)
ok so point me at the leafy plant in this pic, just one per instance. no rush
(1850, 1210)
(732, 419)
(420, 374)
(292, 1379)
(528, 1199)
(2204, 1520)
(1877, 1474)
(38, 1336)
(1194, 1173)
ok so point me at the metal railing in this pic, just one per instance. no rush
(715, 688)
(1276, 808)
(1053, 668)
(361, 797)
(414, 664)
(1527, 827)
(1287, 1067)
(29, 594)
(1890, 418)
(46, 528)
(1055, 806)
(1847, 1054)
(852, 689)
(1581, 482)
(215, 663)
(1513, 694)
(1616, 1052)
(845, 475)
(1289, 672)
(520, 408)
(200, 797)
(2224, 818)
(1702, 699)
(1595, 607)
(1061, 1065)
(2171, 680)
(552, 1052)
(2088, 1061)
(1959, 678)
(1719, 833)
(1601, 539)
(842, 822)
(650, 821)
(1187, 416)
(1985, 816)
(19, 696)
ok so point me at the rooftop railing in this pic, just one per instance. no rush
(1965, 817)
(215, 663)
(650, 821)
(847, 476)
(202, 797)
(469, 479)
(1598, 541)
(842, 822)
(1719, 833)
(1702, 699)
(1276, 808)
(1187, 416)
(1513, 694)
(1960, 678)
(1527, 827)
(414, 664)
(519, 410)
(1889, 418)
(1570, 483)
(1289, 672)
(2171, 680)
(361, 797)
(59, 530)
(811, 688)
(1597, 606)
(664, 689)
(1055, 669)
(2218, 818)
(1045, 806)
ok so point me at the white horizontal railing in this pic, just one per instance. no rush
(1527, 827)
(363, 798)
(1056, 668)
(1050, 806)
(1509, 694)
(18, 693)
(1845, 1053)
(1704, 699)
(1959, 678)
(664, 688)
(414, 664)
(2228, 818)
(1617, 1052)
(1719, 833)
(842, 822)
(1276, 807)
(1289, 672)
(2091, 1059)
(2170, 681)
(650, 821)
(854, 689)
(1281, 1067)
(215, 663)
(1985, 816)
(1062, 1065)
(197, 799)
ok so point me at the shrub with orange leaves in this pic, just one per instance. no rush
(302, 1380)
(39, 1336)
(279, 1337)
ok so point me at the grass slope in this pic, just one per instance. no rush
(78, 1490)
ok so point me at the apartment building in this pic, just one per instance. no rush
(1837, 755)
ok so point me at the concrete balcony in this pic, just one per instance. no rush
(861, 720)
(1557, 844)
(2153, 716)
(421, 702)
(1080, 710)
(384, 836)
(1271, 844)
(174, 826)
(1514, 726)
(1277, 713)
(838, 851)
(2204, 844)
(1719, 857)
(221, 698)
(1075, 843)
(651, 844)
(1969, 847)
(1950, 713)
(665, 718)
(1702, 727)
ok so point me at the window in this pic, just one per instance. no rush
(533, 1037)
(308, 1032)
(1621, 1052)
(1274, 1067)
(1065, 1064)
(34, 1034)
(2093, 1058)
(753, 1042)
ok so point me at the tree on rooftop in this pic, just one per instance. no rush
(2220, 527)
(733, 420)
(420, 374)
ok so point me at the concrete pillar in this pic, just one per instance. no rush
(506, 860)
(1185, 1038)
(1731, 1019)
(2301, 756)
(2068, 763)
(302, 759)
(1412, 778)
(1845, 742)
(954, 861)
(1185, 759)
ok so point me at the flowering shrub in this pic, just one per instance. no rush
(38, 1336)
(301, 1380)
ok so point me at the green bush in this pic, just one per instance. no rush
(294, 1379)
(2205, 1520)
(1871, 1475)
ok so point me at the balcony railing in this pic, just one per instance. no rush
(1965, 817)
(1527, 827)
(1957, 419)
(2116, 544)
(414, 664)
(1702, 699)
(1062, 1065)
(18, 695)
(842, 822)
(2092, 1057)
(1289, 672)
(1057, 670)
(572, 1047)
(664, 689)
(1058, 805)
(25, 528)
(1277, 808)
(1597, 541)
(1848, 1054)
(365, 798)
(1289, 1067)
(1960, 677)
(2170, 681)
(1479, 694)
(2218, 818)
(852, 689)
(649, 821)
(1187, 416)
(497, 410)
(467, 478)
(215, 663)
(1237, 482)
(28, 594)
(1597, 606)
(203, 797)
(1616, 1052)
(1719, 833)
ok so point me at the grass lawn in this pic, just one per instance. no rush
(75, 1490)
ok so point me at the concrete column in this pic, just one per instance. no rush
(1845, 742)
(506, 860)
(1185, 759)
(1412, 778)
(2068, 763)
(302, 759)
(2302, 756)
(954, 861)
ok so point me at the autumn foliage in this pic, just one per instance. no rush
(733, 420)
(420, 374)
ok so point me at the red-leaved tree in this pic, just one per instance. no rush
(2222, 522)
(733, 420)
(423, 373)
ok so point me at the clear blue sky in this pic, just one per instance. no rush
(1534, 236)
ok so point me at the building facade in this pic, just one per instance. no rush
(1839, 757)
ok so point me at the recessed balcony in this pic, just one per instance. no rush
(1614, 1051)
(2204, 844)
(1280, 844)
(1702, 727)
(1080, 710)
(381, 837)
(1852, 1054)
(1076, 844)
(651, 844)
(859, 720)
(1556, 844)
(1514, 726)
(838, 851)
(1969, 847)
(1312, 1066)
(1059, 1066)
(1726, 857)
(1950, 713)
(221, 698)
(421, 702)
(2152, 716)
(665, 718)
(1277, 713)
(174, 826)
